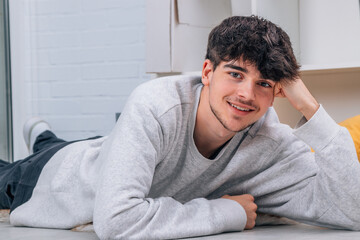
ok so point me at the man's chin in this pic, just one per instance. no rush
(241, 128)
(237, 128)
(236, 124)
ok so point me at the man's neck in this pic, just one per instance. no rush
(209, 134)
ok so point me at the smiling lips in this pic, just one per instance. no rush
(241, 108)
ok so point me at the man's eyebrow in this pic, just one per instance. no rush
(245, 70)
(236, 68)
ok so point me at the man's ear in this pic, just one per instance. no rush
(278, 92)
(206, 72)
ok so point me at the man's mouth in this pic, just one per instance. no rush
(241, 108)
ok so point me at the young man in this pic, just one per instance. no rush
(193, 156)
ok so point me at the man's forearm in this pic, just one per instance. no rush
(299, 97)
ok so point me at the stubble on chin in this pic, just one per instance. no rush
(224, 123)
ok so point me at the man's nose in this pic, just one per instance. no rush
(246, 90)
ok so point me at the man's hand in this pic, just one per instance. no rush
(298, 95)
(247, 202)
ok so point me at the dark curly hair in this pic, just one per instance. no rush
(254, 40)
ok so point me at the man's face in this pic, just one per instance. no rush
(238, 94)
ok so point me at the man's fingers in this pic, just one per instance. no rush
(247, 202)
(249, 197)
(251, 220)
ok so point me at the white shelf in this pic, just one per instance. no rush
(330, 68)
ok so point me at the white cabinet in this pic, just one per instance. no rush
(329, 34)
(324, 33)
(177, 32)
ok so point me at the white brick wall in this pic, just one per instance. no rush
(85, 58)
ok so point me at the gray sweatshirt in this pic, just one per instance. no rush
(147, 180)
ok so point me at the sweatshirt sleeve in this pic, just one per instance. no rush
(122, 209)
(328, 191)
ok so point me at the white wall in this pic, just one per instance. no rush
(336, 89)
(80, 61)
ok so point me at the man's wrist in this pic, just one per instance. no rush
(310, 109)
(318, 131)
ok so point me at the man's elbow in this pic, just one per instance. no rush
(110, 228)
(355, 226)
(119, 225)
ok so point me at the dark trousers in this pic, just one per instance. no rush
(45, 140)
(18, 179)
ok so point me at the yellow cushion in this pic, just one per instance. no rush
(353, 126)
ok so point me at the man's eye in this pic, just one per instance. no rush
(265, 84)
(235, 75)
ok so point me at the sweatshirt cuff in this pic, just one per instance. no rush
(233, 213)
(318, 131)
